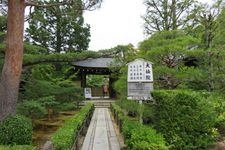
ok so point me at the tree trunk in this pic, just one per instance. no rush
(9, 84)
(166, 15)
(174, 16)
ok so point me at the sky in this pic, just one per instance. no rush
(117, 22)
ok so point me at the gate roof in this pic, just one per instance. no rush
(93, 65)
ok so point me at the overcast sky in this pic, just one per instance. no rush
(117, 22)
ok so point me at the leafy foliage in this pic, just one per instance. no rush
(95, 81)
(121, 84)
(220, 31)
(168, 14)
(65, 136)
(218, 103)
(132, 109)
(3, 23)
(137, 136)
(44, 81)
(58, 28)
(68, 57)
(48, 102)
(32, 109)
(185, 118)
(16, 130)
(34, 49)
(18, 147)
(167, 50)
(210, 71)
(130, 106)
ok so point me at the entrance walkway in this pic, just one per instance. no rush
(101, 134)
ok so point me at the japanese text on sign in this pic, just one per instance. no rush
(140, 71)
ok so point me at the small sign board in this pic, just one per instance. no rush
(139, 90)
(87, 93)
(140, 80)
(140, 71)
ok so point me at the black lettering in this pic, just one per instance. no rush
(148, 77)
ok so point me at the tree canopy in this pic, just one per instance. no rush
(59, 28)
(12, 68)
(168, 14)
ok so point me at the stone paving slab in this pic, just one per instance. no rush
(101, 134)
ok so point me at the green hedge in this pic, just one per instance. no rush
(63, 139)
(185, 118)
(137, 136)
(18, 147)
(16, 130)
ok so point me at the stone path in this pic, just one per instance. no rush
(101, 134)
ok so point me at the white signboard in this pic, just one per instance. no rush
(140, 90)
(140, 80)
(140, 71)
(87, 93)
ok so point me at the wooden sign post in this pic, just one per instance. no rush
(140, 82)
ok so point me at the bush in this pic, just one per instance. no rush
(121, 84)
(137, 136)
(31, 109)
(63, 138)
(140, 137)
(220, 124)
(65, 106)
(185, 118)
(16, 130)
(18, 147)
(217, 99)
(146, 138)
(130, 106)
(148, 114)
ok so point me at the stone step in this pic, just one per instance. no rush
(100, 103)
(102, 106)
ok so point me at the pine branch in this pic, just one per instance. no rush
(39, 4)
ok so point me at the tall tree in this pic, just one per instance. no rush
(208, 21)
(167, 14)
(13, 58)
(167, 49)
(58, 28)
(207, 24)
(10, 78)
(219, 39)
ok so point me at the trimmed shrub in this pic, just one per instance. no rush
(220, 124)
(218, 102)
(146, 138)
(63, 138)
(185, 118)
(16, 130)
(137, 136)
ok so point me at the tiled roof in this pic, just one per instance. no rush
(94, 62)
